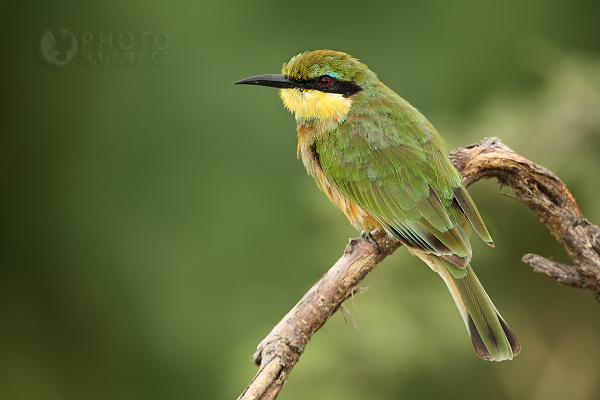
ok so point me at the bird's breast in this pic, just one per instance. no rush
(357, 215)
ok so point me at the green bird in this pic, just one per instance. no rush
(385, 166)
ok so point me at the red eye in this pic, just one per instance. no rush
(325, 81)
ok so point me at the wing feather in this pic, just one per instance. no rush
(392, 162)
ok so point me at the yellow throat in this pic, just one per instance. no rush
(309, 104)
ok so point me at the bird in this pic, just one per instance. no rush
(380, 161)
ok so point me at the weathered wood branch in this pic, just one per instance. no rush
(280, 350)
(534, 185)
(550, 200)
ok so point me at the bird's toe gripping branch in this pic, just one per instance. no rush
(370, 237)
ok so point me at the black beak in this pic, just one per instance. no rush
(273, 80)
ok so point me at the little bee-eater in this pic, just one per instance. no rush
(385, 166)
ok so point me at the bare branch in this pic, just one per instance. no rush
(534, 185)
(280, 350)
(549, 199)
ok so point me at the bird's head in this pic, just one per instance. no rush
(318, 84)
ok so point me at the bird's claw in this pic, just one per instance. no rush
(367, 236)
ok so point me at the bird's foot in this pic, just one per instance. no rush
(367, 236)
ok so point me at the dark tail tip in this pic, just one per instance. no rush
(512, 338)
(478, 344)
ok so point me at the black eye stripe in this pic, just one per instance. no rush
(332, 85)
(329, 84)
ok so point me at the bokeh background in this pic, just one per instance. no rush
(156, 223)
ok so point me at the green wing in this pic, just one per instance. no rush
(391, 161)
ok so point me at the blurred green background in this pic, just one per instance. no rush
(156, 223)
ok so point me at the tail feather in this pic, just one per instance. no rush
(491, 337)
(512, 338)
